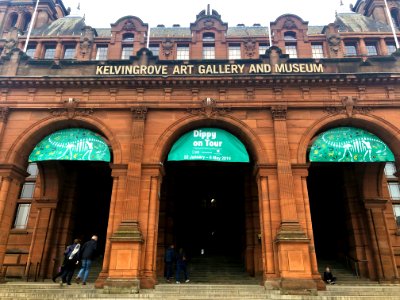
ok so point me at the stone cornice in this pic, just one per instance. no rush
(173, 81)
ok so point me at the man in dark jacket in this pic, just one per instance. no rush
(87, 254)
(170, 257)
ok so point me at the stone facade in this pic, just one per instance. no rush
(276, 113)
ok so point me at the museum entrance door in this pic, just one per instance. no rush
(345, 177)
(209, 207)
(203, 210)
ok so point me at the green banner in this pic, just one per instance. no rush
(349, 144)
(209, 144)
(72, 144)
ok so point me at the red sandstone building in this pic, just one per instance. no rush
(281, 157)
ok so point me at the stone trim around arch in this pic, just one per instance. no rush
(236, 127)
(20, 149)
(387, 132)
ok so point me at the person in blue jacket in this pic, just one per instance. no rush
(170, 257)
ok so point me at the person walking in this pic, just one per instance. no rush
(181, 265)
(170, 257)
(88, 253)
(71, 259)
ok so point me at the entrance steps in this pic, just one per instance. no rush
(50, 291)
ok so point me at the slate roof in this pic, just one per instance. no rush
(63, 26)
(184, 32)
(353, 22)
(315, 29)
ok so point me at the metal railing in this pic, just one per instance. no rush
(354, 264)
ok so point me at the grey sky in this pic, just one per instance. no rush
(100, 13)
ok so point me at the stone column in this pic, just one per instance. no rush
(4, 112)
(383, 254)
(291, 240)
(270, 272)
(126, 242)
(119, 183)
(150, 206)
(12, 178)
(300, 173)
(58, 52)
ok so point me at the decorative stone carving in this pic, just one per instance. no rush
(289, 24)
(71, 110)
(208, 23)
(4, 112)
(129, 26)
(250, 47)
(11, 42)
(167, 47)
(139, 113)
(349, 107)
(209, 109)
(86, 41)
(279, 112)
(334, 43)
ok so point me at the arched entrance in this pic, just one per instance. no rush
(346, 165)
(209, 207)
(71, 195)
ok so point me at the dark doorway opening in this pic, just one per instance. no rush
(328, 204)
(203, 210)
(83, 211)
(208, 210)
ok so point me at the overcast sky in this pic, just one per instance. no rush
(100, 13)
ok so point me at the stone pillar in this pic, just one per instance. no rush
(11, 179)
(150, 207)
(4, 112)
(383, 254)
(126, 242)
(382, 47)
(291, 240)
(58, 52)
(300, 173)
(119, 184)
(269, 261)
(40, 243)
(362, 48)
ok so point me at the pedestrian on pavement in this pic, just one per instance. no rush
(88, 253)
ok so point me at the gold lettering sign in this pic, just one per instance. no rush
(209, 69)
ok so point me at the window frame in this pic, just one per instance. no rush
(208, 51)
(69, 47)
(234, 51)
(100, 53)
(49, 48)
(349, 45)
(369, 46)
(317, 50)
(126, 51)
(183, 52)
(288, 50)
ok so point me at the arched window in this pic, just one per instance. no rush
(26, 22)
(289, 36)
(128, 37)
(12, 20)
(290, 43)
(208, 37)
(394, 13)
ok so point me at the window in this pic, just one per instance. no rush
(351, 49)
(394, 13)
(289, 36)
(182, 52)
(102, 52)
(127, 51)
(234, 51)
(155, 49)
(22, 215)
(317, 51)
(30, 51)
(371, 49)
(128, 37)
(69, 52)
(208, 37)
(49, 52)
(208, 51)
(391, 48)
(291, 49)
(26, 22)
(394, 189)
(27, 191)
(12, 20)
(262, 48)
